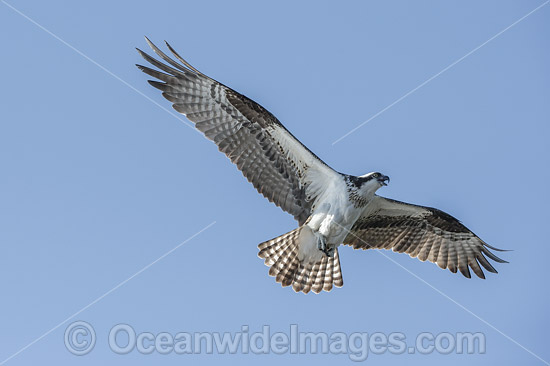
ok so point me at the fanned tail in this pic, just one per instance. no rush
(289, 266)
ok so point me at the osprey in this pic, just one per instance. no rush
(331, 208)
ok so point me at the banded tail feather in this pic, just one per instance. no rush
(289, 266)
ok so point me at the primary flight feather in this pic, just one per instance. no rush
(331, 208)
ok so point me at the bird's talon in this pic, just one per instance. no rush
(329, 252)
(321, 242)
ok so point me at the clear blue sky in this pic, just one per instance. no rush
(98, 182)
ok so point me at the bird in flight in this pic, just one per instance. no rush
(331, 208)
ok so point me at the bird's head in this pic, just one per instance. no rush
(370, 182)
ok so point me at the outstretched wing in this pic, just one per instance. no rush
(274, 161)
(423, 232)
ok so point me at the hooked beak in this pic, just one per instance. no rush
(384, 180)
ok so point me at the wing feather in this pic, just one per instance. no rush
(422, 232)
(271, 158)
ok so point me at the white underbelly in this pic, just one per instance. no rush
(334, 222)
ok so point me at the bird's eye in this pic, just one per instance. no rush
(375, 175)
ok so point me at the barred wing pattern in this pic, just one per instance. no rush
(423, 232)
(268, 155)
